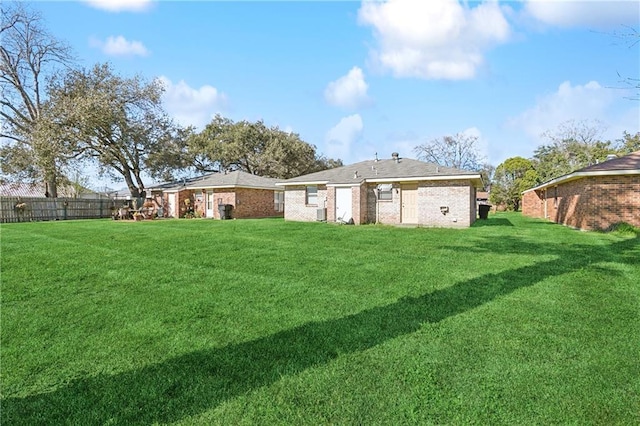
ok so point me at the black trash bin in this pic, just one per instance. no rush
(225, 211)
(483, 211)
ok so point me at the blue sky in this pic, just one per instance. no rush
(356, 78)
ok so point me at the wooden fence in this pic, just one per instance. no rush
(22, 209)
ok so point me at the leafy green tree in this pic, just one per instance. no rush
(629, 143)
(253, 148)
(119, 123)
(573, 145)
(459, 151)
(487, 172)
(32, 147)
(511, 178)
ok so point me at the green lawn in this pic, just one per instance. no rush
(513, 321)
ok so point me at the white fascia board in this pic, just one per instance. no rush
(579, 175)
(319, 182)
(423, 178)
(344, 185)
(231, 187)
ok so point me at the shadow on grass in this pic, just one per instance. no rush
(196, 382)
(492, 221)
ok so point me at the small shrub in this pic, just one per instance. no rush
(623, 228)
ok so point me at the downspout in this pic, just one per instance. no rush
(375, 194)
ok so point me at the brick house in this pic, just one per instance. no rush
(594, 197)
(392, 191)
(249, 195)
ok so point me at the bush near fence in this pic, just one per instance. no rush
(23, 209)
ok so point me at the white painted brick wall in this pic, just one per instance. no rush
(294, 204)
(459, 196)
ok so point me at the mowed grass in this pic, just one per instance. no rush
(513, 321)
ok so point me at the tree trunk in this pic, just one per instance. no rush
(51, 186)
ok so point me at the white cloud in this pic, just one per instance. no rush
(579, 102)
(191, 106)
(598, 14)
(120, 46)
(120, 5)
(349, 91)
(482, 144)
(433, 39)
(340, 137)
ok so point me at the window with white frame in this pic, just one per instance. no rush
(278, 201)
(385, 192)
(312, 195)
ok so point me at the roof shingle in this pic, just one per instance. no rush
(372, 170)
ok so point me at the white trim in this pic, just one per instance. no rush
(182, 188)
(384, 180)
(343, 185)
(424, 178)
(578, 175)
(232, 187)
(317, 182)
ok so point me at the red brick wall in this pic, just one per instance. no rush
(181, 207)
(533, 203)
(589, 203)
(224, 196)
(254, 203)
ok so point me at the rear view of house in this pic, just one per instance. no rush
(245, 195)
(390, 191)
(594, 197)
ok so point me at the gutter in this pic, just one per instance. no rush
(578, 175)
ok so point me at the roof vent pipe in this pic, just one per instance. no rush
(395, 156)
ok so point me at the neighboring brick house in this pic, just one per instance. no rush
(594, 197)
(392, 191)
(251, 196)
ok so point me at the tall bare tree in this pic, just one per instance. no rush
(31, 144)
(459, 151)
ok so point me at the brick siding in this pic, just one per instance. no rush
(456, 195)
(589, 203)
(459, 196)
(246, 202)
(295, 207)
(254, 203)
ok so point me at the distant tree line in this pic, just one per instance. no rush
(572, 146)
(58, 118)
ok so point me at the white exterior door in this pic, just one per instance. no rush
(409, 204)
(344, 207)
(209, 201)
(171, 201)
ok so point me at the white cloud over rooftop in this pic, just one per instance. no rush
(348, 91)
(433, 39)
(589, 101)
(120, 5)
(340, 137)
(192, 106)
